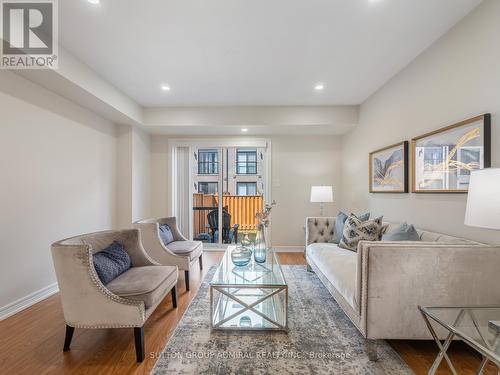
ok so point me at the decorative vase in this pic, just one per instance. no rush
(241, 256)
(245, 242)
(260, 248)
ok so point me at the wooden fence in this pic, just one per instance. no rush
(242, 209)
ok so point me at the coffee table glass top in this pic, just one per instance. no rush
(252, 297)
(478, 326)
(253, 274)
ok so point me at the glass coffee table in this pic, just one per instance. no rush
(478, 327)
(252, 297)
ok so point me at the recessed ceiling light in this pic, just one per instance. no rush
(165, 87)
(94, 2)
(319, 87)
(244, 130)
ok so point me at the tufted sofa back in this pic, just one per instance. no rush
(319, 229)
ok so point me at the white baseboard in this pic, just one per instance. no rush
(289, 249)
(212, 249)
(25, 302)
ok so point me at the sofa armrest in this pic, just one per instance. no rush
(394, 278)
(153, 244)
(172, 223)
(132, 242)
(86, 302)
(319, 229)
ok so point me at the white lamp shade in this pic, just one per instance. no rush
(483, 201)
(321, 194)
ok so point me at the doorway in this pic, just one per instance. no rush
(227, 183)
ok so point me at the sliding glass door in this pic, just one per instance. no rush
(206, 177)
(228, 186)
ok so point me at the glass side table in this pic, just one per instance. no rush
(478, 327)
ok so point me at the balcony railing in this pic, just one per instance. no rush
(242, 209)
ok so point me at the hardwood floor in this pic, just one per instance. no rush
(31, 342)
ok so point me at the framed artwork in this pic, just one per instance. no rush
(443, 160)
(389, 169)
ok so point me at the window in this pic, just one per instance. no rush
(246, 162)
(246, 188)
(208, 162)
(208, 187)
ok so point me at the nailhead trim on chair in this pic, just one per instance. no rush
(76, 325)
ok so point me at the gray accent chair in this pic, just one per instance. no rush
(381, 285)
(182, 252)
(127, 301)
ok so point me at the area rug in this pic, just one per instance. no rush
(320, 340)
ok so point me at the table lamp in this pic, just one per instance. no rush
(321, 195)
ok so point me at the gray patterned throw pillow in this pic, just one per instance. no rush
(356, 230)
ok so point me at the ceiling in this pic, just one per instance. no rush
(258, 52)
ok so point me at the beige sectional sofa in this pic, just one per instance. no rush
(380, 286)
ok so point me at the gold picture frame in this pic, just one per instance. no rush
(388, 169)
(441, 161)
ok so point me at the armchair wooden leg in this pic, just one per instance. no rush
(186, 277)
(200, 259)
(139, 343)
(69, 336)
(174, 297)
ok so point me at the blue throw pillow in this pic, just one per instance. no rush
(364, 217)
(166, 235)
(340, 220)
(111, 262)
(404, 232)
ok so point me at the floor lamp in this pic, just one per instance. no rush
(483, 201)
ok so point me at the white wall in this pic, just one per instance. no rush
(57, 179)
(134, 175)
(160, 177)
(457, 78)
(297, 163)
(124, 176)
(141, 175)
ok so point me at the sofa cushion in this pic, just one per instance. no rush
(166, 234)
(111, 262)
(439, 237)
(356, 230)
(147, 284)
(338, 265)
(185, 247)
(403, 232)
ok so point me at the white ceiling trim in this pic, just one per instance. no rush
(77, 82)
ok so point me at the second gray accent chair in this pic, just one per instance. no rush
(182, 252)
(126, 301)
